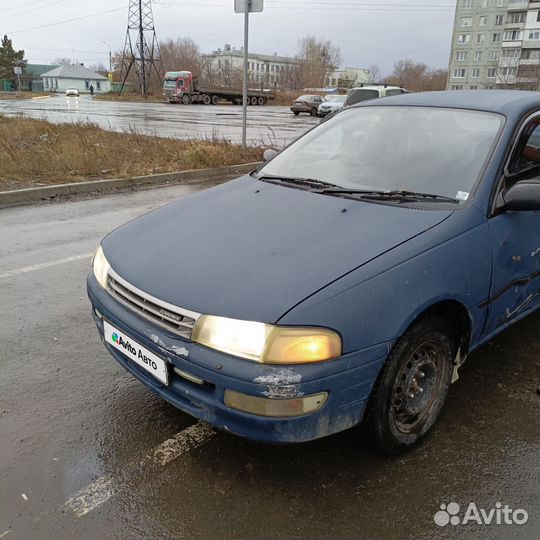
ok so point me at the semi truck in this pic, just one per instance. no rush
(183, 87)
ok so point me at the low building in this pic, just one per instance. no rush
(266, 70)
(31, 76)
(348, 77)
(62, 77)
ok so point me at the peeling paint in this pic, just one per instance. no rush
(280, 382)
(180, 351)
(155, 339)
(278, 376)
(535, 253)
(282, 392)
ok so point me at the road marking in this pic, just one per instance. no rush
(39, 266)
(95, 494)
(90, 497)
(4, 533)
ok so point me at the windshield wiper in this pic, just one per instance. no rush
(310, 182)
(398, 194)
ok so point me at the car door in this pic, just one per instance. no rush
(515, 242)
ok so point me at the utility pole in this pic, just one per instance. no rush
(141, 49)
(245, 7)
(245, 76)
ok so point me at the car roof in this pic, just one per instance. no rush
(512, 103)
(376, 87)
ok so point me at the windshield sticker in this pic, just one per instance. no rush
(462, 195)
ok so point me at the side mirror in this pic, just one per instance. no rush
(522, 196)
(270, 153)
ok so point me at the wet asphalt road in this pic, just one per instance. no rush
(269, 125)
(74, 423)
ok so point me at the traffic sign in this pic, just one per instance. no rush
(251, 6)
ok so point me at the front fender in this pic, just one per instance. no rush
(377, 302)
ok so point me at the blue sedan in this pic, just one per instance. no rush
(344, 281)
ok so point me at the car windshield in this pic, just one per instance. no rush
(169, 83)
(356, 96)
(420, 149)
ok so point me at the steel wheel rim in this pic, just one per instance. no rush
(417, 387)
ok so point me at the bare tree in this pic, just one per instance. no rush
(99, 68)
(317, 59)
(418, 77)
(374, 73)
(181, 55)
(63, 61)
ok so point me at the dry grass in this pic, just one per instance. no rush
(36, 152)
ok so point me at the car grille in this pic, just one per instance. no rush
(175, 319)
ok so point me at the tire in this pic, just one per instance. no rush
(313, 112)
(253, 100)
(261, 101)
(215, 100)
(296, 113)
(185, 99)
(207, 99)
(412, 387)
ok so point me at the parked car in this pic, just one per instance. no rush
(365, 93)
(72, 91)
(345, 280)
(331, 104)
(306, 104)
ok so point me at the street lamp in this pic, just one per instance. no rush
(110, 56)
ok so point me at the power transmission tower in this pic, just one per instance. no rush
(141, 49)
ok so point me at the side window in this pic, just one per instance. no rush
(528, 150)
(394, 92)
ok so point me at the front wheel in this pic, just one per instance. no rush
(185, 99)
(412, 387)
(296, 113)
(313, 112)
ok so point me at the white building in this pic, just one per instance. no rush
(58, 79)
(263, 69)
(348, 77)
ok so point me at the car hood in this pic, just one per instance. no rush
(252, 250)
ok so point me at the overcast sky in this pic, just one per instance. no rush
(367, 31)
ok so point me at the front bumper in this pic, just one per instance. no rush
(348, 380)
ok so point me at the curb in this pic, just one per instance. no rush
(28, 195)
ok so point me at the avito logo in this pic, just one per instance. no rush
(499, 515)
(124, 343)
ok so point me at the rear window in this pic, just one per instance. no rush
(356, 96)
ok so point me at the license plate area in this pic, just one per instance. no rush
(144, 358)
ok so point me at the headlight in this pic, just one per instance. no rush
(266, 343)
(101, 267)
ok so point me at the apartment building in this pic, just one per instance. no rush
(495, 44)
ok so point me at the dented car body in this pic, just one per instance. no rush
(286, 307)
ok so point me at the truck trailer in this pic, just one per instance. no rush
(183, 87)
